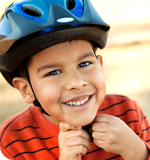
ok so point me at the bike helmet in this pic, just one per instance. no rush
(28, 26)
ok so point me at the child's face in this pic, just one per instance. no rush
(64, 76)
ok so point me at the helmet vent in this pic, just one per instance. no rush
(32, 11)
(71, 4)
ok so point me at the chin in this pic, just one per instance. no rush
(80, 122)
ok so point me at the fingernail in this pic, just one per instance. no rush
(77, 127)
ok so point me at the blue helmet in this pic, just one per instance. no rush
(28, 26)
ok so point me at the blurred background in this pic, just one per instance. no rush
(125, 58)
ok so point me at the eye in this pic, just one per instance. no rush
(53, 73)
(84, 64)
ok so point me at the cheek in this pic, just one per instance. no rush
(98, 81)
(97, 78)
(48, 94)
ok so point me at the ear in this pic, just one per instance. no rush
(22, 85)
(100, 59)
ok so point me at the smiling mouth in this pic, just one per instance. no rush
(78, 103)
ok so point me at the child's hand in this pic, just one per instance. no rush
(73, 142)
(113, 135)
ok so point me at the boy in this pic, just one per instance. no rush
(48, 53)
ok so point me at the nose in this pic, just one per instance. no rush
(75, 80)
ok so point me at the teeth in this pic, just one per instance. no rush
(78, 103)
(82, 101)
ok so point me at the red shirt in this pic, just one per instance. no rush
(29, 136)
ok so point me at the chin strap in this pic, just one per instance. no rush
(36, 102)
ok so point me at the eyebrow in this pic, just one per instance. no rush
(90, 54)
(48, 66)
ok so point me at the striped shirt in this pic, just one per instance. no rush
(29, 136)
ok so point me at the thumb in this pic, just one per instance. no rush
(64, 127)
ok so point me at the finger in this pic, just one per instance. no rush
(76, 141)
(102, 118)
(77, 157)
(100, 127)
(78, 150)
(73, 152)
(64, 127)
(78, 133)
(99, 136)
(99, 143)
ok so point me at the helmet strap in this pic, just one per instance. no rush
(36, 102)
